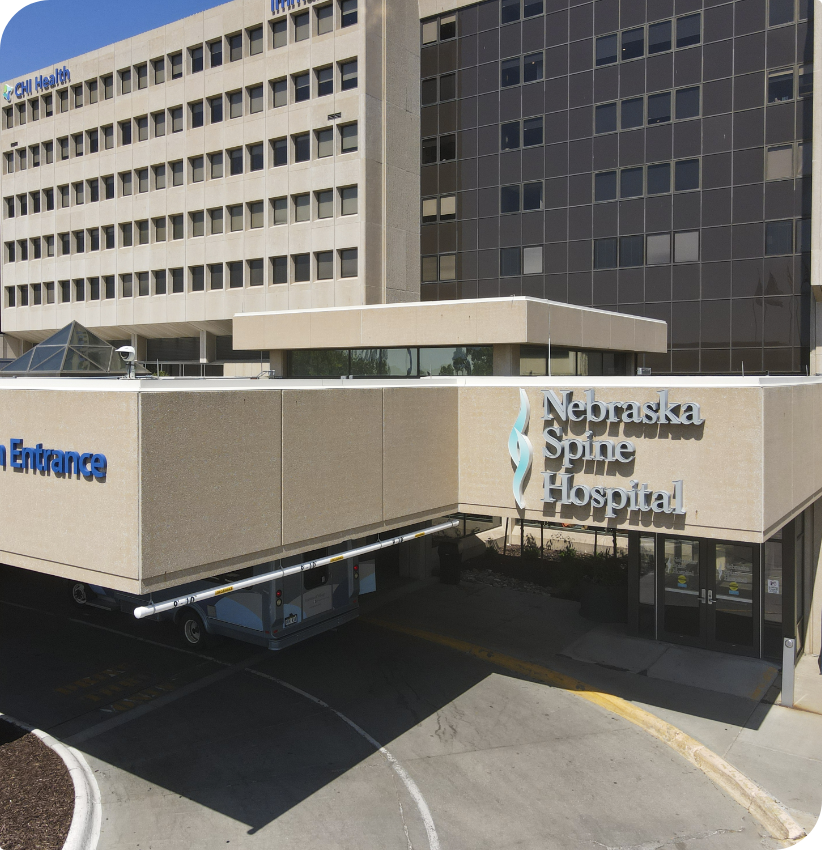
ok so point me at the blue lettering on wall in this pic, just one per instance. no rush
(37, 459)
(25, 88)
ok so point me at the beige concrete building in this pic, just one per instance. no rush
(233, 161)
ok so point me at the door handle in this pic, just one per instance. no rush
(702, 595)
(710, 597)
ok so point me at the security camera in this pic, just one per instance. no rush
(127, 353)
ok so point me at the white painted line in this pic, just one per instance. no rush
(410, 785)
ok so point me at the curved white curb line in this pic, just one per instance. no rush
(84, 831)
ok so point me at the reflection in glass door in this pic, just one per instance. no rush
(732, 597)
(682, 617)
(709, 594)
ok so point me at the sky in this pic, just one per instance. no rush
(49, 32)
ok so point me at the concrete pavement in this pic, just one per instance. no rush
(239, 759)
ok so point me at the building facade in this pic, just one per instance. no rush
(235, 160)
(647, 157)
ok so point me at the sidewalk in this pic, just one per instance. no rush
(728, 703)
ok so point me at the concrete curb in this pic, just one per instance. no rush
(84, 831)
(755, 800)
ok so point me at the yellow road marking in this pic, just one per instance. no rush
(765, 808)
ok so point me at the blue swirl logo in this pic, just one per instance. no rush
(519, 447)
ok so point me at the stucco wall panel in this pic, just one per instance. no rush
(210, 477)
(53, 522)
(420, 468)
(332, 461)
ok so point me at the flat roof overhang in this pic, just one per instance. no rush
(481, 321)
(206, 475)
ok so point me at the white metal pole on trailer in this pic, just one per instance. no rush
(181, 601)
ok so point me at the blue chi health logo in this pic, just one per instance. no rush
(520, 449)
(7, 92)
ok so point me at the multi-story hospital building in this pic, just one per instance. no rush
(580, 219)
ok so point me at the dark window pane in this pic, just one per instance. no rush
(302, 147)
(531, 132)
(779, 237)
(631, 251)
(605, 186)
(510, 11)
(509, 72)
(780, 86)
(448, 86)
(780, 12)
(532, 196)
(448, 147)
(532, 68)
(509, 262)
(448, 27)
(803, 235)
(606, 50)
(687, 103)
(428, 92)
(605, 253)
(509, 199)
(659, 37)
(633, 113)
(805, 81)
(531, 8)
(605, 118)
(686, 175)
(688, 30)
(659, 108)
(659, 178)
(630, 182)
(510, 136)
(633, 43)
(429, 151)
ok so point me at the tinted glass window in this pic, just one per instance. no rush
(532, 68)
(688, 30)
(659, 178)
(606, 50)
(605, 253)
(605, 118)
(428, 92)
(509, 72)
(779, 237)
(509, 199)
(510, 11)
(780, 86)
(630, 182)
(532, 196)
(659, 108)
(659, 37)
(780, 12)
(633, 43)
(448, 86)
(633, 113)
(532, 132)
(631, 251)
(509, 136)
(605, 185)
(686, 175)
(509, 262)
(687, 103)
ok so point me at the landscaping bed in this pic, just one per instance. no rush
(36, 792)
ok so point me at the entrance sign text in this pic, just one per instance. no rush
(560, 409)
(38, 459)
(44, 82)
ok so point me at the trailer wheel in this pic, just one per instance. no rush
(192, 630)
(81, 594)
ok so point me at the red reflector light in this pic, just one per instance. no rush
(279, 594)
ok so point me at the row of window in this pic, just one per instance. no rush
(659, 36)
(295, 209)
(632, 112)
(215, 165)
(298, 268)
(213, 110)
(642, 180)
(232, 47)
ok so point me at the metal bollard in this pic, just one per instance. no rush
(788, 671)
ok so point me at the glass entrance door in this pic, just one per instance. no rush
(708, 594)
